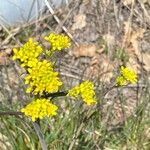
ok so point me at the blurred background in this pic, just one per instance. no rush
(16, 12)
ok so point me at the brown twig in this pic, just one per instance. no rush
(53, 95)
(59, 22)
(11, 113)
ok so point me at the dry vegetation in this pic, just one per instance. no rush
(105, 35)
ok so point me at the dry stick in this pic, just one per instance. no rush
(11, 113)
(145, 11)
(129, 26)
(116, 13)
(136, 14)
(11, 35)
(17, 30)
(66, 17)
(53, 95)
(62, 22)
(59, 22)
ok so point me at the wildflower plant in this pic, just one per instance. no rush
(28, 53)
(85, 90)
(126, 76)
(58, 42)
(43, 84)
(42, 79)
(40, 108)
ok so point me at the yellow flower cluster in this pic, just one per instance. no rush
(126, 76)
(28, 52)
(85, 90)
(39, 109)
(58, 41)
(42, 78)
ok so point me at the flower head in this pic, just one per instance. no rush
(28, 52)
(121, 81)
(85, 90)
(58, 41)
(40, 108)
(126, 76)
(42, 78)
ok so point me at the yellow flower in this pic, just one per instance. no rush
(121, 81)
(42, 78)
(58, 41)
(85, 90)
(40, 108)
(126, 76)
(28, 52)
